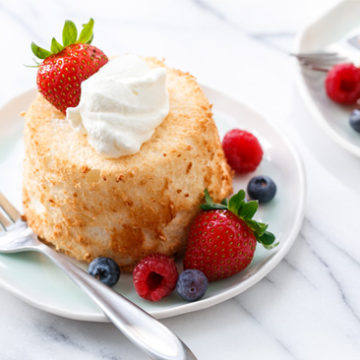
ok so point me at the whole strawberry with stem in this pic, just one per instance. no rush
(222, 238)
(66, 65)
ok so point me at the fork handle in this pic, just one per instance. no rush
(137, 325)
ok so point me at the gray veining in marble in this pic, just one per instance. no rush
(308, 307)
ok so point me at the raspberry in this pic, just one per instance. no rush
(242, 150)
(342, 83)
(155, 277)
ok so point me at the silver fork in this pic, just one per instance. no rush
(138, 326)
(320, 61)
(344, 50)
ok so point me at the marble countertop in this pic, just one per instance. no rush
(308, 307)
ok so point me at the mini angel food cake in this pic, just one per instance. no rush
(123, 173)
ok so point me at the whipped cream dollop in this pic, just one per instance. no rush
(121, 105)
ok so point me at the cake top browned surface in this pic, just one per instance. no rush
(189, 115)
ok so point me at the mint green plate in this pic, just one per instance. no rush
(36, 280)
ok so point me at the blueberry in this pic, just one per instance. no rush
(192, 284)
(105, 269)
(354, 120)
(261, 188)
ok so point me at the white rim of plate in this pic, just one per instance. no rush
(226, 294)
(315, 112)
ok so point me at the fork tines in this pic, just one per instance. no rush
(319, 54)
(8, 213)
(320, 60)
(4, 221)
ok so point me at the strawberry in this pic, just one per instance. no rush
(66, 66)
(222, 238)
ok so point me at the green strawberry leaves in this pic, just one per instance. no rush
(86, 34)
(55, 46)
(235, 202)
(210, 205)
(39, 51)
(69, 34)
(245, 210)
(69, 37)
(248, 210)
(267, 239)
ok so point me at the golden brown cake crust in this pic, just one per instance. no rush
(126, 208)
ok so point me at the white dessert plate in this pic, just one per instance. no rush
(36, 280)
(330, 32)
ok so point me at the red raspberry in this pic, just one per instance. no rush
(343, 83)
(242, 150)
(155, 277)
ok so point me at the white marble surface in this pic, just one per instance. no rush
(309, 306)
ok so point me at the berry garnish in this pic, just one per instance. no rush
(354, 120)
(105, 269)
(192, 285)
(242, 150)
(155, 277)
(343, 83)
(222, 239)
(65, 66)
(261, 188)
